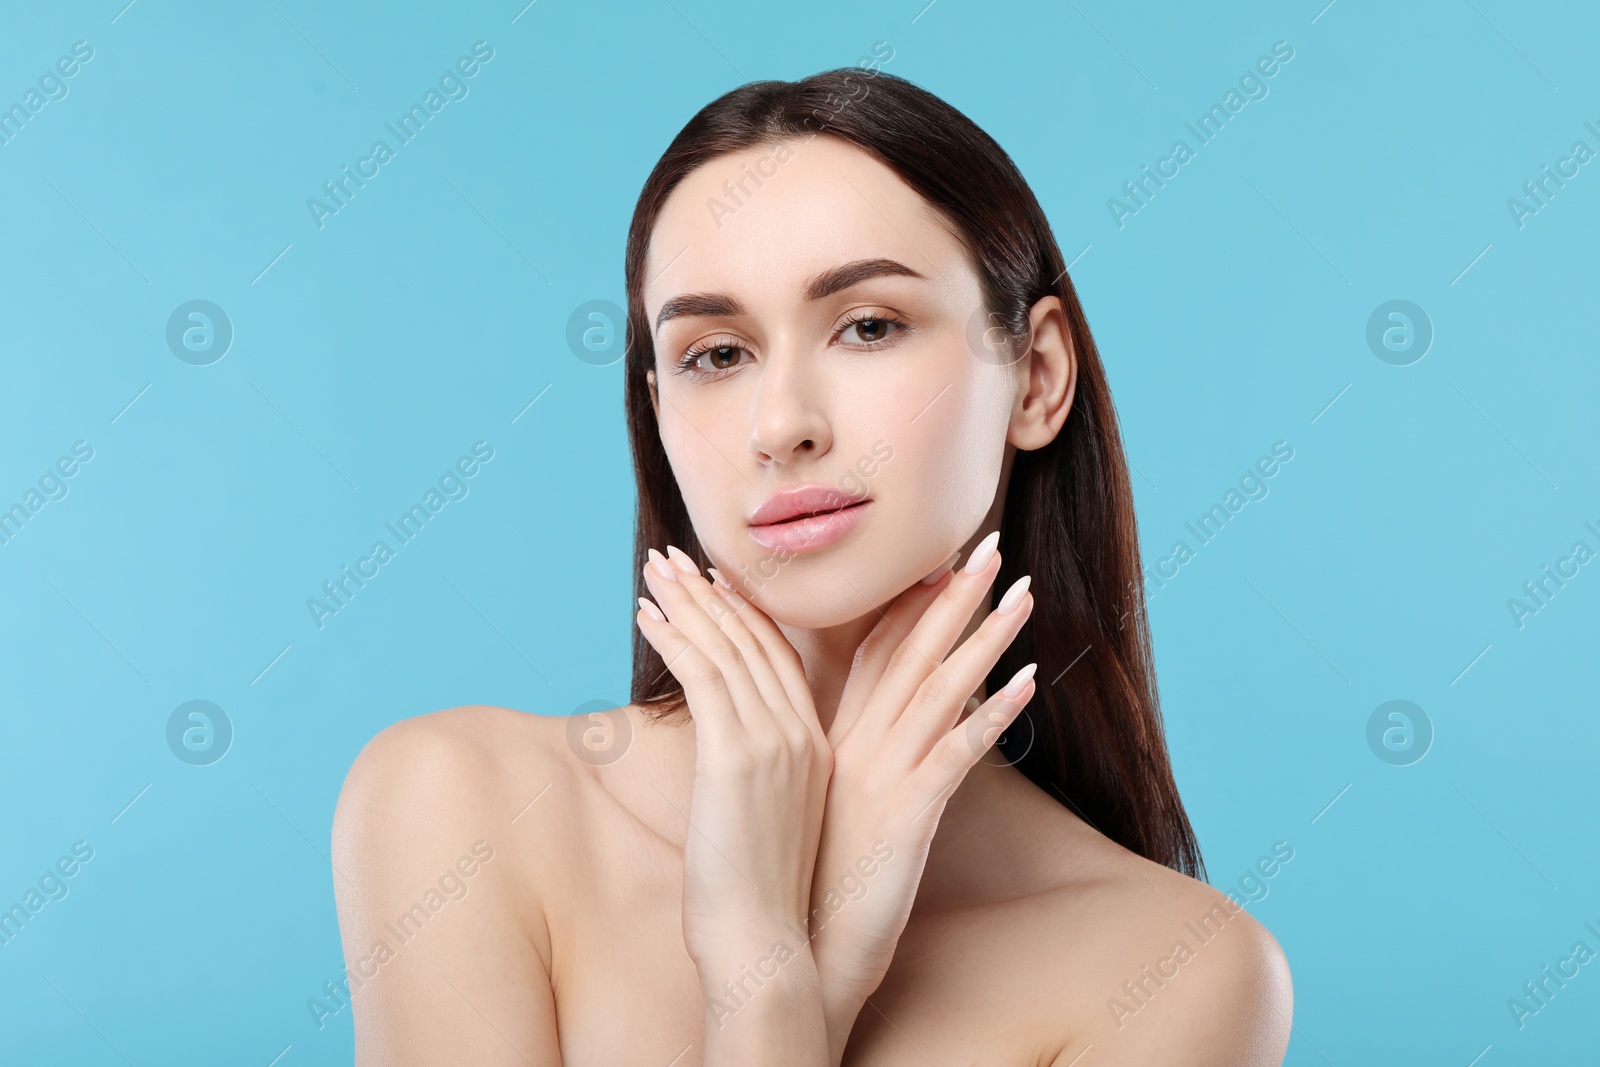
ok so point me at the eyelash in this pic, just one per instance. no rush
(686, 364)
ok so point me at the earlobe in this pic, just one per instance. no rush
(655, 401)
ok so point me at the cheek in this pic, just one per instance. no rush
(952, 468)
(713, 491)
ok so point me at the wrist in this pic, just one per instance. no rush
(752, 958)
(767, 1008)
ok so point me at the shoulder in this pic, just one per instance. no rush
(439, 887)
(430, 789)
(1176, 971)
(465, 753)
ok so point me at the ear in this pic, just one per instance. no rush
(1048, 379)
(655, 401)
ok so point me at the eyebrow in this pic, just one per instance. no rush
(825, 284)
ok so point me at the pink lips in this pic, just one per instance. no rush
(807, 516)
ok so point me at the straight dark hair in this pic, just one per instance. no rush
(1092, 737)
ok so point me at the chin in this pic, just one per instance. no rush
(818, 592)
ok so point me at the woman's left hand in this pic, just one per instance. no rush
(898, 754)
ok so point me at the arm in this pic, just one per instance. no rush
(432, 913)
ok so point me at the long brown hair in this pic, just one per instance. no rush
(1092, 735)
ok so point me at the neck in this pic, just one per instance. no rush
(829, 653)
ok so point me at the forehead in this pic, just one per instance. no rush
(767, 217)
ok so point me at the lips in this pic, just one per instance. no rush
(800, 501)
(807, 516)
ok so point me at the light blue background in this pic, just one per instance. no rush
(428, 314)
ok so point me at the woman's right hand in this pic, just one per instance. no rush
(898, 754)
(755, 816)
(900, 750)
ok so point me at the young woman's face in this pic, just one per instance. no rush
(815, 330)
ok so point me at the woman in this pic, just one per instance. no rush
(853, 359)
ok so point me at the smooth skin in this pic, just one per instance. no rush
(830, 711)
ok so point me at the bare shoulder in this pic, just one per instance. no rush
(1173, 970)
(437, 887)
(472, 753)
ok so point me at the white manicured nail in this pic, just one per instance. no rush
(983, 553)
(662, 567)
(1013, 597)
(1014, 687)
(651, 610)
(681, 558)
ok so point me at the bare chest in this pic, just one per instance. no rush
(626, 990)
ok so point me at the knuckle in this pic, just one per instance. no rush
(703, 671)
(906, 654)
(935, 688)
(948, 756)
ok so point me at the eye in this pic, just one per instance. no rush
(871, 328)
(711, 358)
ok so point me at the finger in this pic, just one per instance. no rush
(708, 699)
(733, 623)
(938, 700)
(684, 597)
(781, 654)
(944, 768)
(911, 661)
(872, 655)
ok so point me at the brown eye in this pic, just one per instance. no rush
(870, 330)
(873, 331)
(711, 360)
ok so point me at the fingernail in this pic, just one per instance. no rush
(681, 558)
(939, 571)
(1018, 681)
(983, 553)
(662, 567)
(651, 610)
(1013, 597)
(716, 576)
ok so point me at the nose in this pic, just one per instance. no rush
(789, 421)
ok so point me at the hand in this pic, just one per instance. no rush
(898, 755)
(760, 779)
